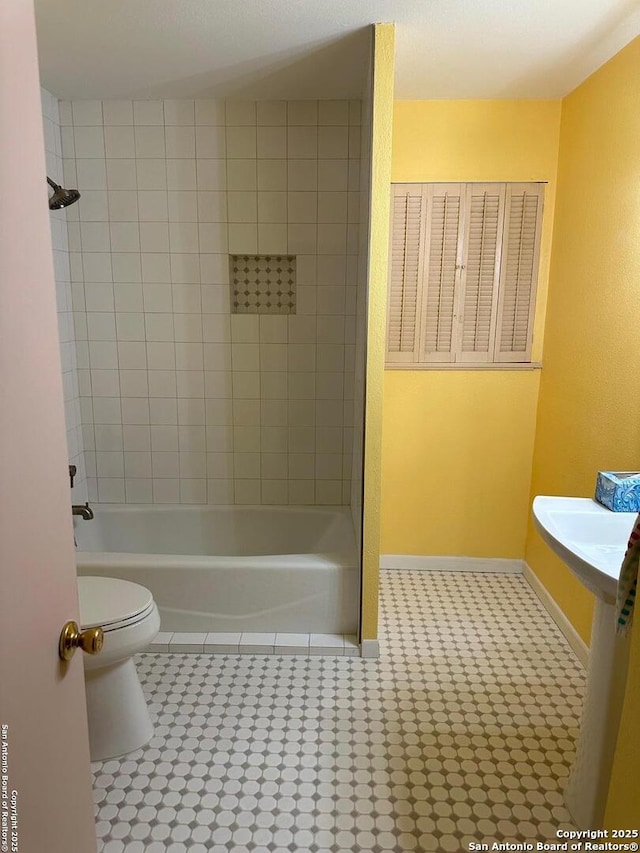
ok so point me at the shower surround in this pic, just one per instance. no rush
(182, 400)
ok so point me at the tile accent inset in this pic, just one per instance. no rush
(263, 284)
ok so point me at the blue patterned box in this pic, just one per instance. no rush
(619, 490)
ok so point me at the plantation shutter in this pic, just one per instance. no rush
(484, 206)
(520, 260)
(463, 266)
(443, 263)
(405, 279)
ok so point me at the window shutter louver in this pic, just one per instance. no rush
(405, 287)
(483, 232)
(520, 259)
(463, 268)
(442, 265)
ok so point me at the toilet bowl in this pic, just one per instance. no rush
(117, 712)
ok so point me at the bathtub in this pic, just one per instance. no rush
(231, 568)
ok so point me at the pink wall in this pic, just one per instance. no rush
(42, 703)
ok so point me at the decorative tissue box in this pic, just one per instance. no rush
(619, 490)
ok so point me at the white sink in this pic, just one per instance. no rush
(592, 540)
(588, 537)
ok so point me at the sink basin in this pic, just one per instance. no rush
(591, 541)
(589, 538)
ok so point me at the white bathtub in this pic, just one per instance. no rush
(219, 568)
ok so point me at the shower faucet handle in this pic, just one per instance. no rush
(72, 473)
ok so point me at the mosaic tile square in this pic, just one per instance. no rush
(263, 284)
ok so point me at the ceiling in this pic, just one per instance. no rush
(318, 48)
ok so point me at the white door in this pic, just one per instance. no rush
(44, 752)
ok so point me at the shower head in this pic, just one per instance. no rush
(61, 197)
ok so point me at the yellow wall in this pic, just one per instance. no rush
(458, 445)
(383, 71)
(589, 410)
(589, 406)
(457, 461)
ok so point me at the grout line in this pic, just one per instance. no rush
(286, 321)
(144, 313)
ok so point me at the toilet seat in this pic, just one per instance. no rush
(111, 603)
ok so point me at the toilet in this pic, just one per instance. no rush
(117, 712)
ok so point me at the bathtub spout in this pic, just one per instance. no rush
(84, 511)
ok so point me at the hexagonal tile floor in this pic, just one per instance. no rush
(464, 730)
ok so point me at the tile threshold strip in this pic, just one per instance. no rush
(255, 643)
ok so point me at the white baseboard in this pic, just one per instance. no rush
(418, 562)
(369, 649)
(553, 609)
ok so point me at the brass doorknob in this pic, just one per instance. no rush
(90, 640)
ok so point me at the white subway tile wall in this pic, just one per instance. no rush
(71, 358)
(184, 402)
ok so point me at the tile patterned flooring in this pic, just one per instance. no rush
(464, 730)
